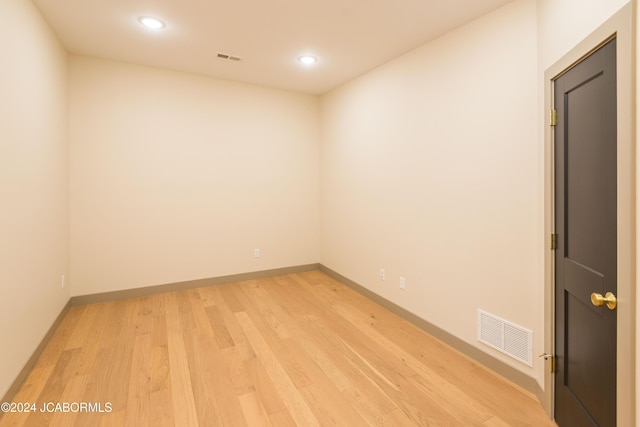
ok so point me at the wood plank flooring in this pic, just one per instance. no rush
(295, 350)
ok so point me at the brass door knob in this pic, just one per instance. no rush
(609, 299)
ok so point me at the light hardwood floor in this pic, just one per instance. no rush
(295, 350)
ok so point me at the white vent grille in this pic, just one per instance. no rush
(504, 336)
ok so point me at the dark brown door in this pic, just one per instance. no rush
(585, 218)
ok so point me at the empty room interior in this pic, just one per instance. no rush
(198, 228)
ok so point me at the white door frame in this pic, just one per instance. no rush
(622, 26)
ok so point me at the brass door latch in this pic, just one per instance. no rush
(552, 359)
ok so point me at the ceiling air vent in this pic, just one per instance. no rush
(228, 57)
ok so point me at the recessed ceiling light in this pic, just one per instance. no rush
(308, 59)
(151, 23)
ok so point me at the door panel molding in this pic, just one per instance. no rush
(620, 26)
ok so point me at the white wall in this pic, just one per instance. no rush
(429, 170)
(562, 24)
(34, 193)
(177, 177)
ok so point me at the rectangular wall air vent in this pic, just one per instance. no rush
(504, 336)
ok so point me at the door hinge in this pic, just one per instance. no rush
(553, 117)
(552, 361)
(554, 241)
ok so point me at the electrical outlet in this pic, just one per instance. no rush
(256, 253)
(62, 282)
(382, 274)
(402, 283)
